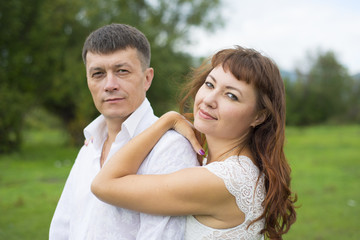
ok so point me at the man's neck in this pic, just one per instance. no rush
(113, 127)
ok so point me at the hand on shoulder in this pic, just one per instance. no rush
(180, 124)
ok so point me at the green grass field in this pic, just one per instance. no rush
(31, 183)
(326, 176)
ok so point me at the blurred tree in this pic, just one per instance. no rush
(354, 106)
(17, 88)
(40, 54)
(321, 94)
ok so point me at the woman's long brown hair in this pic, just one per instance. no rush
(266, 140)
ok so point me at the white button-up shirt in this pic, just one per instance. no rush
(80, 215)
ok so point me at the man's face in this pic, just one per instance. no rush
(117, 82)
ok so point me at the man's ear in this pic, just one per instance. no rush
(149, 75)
(260, 118)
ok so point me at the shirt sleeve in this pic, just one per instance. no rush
(172, 153)
(60, 223)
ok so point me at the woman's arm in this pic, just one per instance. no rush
(117, 184)
(191, 191)
(129, 158)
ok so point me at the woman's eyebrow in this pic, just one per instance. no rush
(212, 77)
(227, 87)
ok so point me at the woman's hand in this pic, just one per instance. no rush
(180, 124)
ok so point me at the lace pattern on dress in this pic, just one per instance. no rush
(240, 176)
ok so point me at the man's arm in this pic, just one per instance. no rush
(60, 223)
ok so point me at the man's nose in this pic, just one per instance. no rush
(112, 83)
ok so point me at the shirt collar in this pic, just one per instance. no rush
(134, 119)
(96, 131)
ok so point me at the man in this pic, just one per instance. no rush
(117, 59)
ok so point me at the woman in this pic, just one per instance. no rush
(242, 191)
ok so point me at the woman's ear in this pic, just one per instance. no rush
(260, 118)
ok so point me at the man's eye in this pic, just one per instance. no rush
(122, 71)
(232, 96)
(97, 74)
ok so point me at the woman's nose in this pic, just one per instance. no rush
(211, 99)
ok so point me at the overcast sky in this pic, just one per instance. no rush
(287, 30)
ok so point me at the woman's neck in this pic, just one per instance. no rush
(221, 149)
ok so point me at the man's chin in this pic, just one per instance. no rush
(116, 116)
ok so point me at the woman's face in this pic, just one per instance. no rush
(225, 107)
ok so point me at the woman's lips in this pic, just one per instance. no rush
(205, 115)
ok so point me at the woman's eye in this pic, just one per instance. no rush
(209, 84)
(232, 96)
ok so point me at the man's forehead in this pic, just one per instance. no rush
(111, 52)
(117, 58)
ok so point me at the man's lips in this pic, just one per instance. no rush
(206, 115)
(110, 100)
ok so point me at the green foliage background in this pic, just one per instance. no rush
(41, 65)
(40, 55)
(325, 92)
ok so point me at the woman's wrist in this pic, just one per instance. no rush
(168, 120)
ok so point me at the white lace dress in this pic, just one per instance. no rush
(240, 176)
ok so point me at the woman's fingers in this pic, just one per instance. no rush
(180, 124)
(185, 128)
